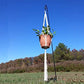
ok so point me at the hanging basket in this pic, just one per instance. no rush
(45, 41)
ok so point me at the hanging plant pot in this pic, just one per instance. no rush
(45, 41)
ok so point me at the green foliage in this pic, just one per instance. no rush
(44, 31)
(61, 52)
(37, 32)
(67, 66)
(50, 69)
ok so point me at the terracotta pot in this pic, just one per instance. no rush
(45, 41)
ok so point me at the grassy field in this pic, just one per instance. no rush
(37, 78)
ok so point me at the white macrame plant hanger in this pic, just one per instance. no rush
(45, 54)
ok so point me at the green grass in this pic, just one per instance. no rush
(37, 78)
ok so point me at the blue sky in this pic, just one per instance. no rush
(19, 17)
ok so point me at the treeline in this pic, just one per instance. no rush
(63, 53)
(65, 59)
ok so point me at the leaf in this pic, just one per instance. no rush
(43, 27)
(54, 32)
(34, 29)
(42, 30)
(38, 31)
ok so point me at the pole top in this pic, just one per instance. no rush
(46, 8)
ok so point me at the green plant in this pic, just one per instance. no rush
(46, 30)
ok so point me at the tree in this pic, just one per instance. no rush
(81, 54)
(75, 54)
(61, 52)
